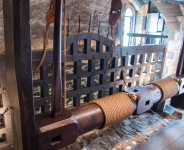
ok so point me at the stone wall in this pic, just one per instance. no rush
(98, 10)
(173, 50)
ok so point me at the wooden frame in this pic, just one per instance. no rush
(19, 70)
(141, 63)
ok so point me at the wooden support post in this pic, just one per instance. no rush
(56, 73)
(10, 72)
(19, 71)
(181, 59)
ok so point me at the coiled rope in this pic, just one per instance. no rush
(115, 107)
(169, 87)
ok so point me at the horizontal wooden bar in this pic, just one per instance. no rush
(41, 101)
(147, 35)
(175, 1)
(133, 50)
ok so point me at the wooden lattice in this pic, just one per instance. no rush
(89, 73)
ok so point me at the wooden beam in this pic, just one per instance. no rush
(56, 91)
(146, 35)
(23, 71)
(10, 72)
(181, 59)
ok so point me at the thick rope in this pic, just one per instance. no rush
(132, 96)
(64, 64)
(44, 47)
(115, 107)
(50, 19)
(168, 86)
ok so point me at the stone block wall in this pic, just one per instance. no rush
(173, 50)
(98, 9)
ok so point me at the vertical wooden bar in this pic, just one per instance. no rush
(99, 45)
(87, 47)
(79, 25)
(163, 62)
(19, 71)
(56, 72)
(89, 28)
(44, 71)
(68, 26)
(10, 73)
(104, 67)
(141, 69)
(90, 80)
(134, 61)
(125, 60)
(114, 75)
(147, 68)
(181, 57)
(99, 27)
(77, 82)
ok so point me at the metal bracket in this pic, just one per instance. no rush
(146, 97)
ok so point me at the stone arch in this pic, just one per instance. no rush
(137, 5)
(172, 14)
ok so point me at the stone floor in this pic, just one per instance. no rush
(123, 135)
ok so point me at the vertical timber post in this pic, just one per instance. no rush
(10, 72)
(181, 59)
(19, 71)
(56, 91)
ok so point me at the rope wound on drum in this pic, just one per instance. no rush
(116, 107)
(168, 86)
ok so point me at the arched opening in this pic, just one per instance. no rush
(129, 24)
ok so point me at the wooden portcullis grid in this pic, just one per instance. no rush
(89, 73)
